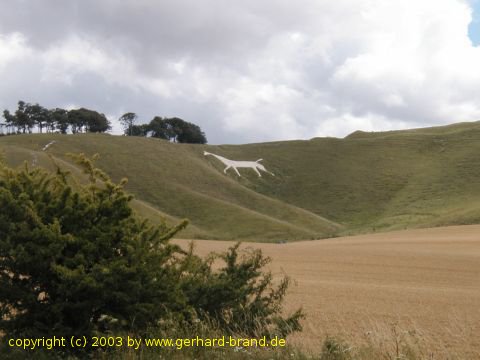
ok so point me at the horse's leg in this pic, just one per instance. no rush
(225, 170)
(236, 171)
(258, 172)
(268, 172)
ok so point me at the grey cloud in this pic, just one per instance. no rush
(245, 71)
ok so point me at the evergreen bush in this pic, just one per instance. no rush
(75, 260)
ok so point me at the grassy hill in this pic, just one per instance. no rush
(323, 187)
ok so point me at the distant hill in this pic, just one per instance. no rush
(322, 187)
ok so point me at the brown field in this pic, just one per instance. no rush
(420, 287)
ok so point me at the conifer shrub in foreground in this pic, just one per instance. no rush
(75, 260)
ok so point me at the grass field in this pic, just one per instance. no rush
(323, 187)
(417, 287)
(178, 181)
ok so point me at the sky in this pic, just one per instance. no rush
(248, 71)
(474, 27)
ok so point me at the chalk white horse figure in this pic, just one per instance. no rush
(240, 164)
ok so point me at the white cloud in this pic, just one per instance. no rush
(12, 48)
(74, 56)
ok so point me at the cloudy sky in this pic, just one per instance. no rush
(248, 71)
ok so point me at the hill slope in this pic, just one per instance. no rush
(323, 187)
(177, 180)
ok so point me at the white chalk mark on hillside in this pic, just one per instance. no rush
(48, 145)
(240, 164)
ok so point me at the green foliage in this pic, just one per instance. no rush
(239, 296)
(323, 187)
(71, 259)
(59, 119)
(76, 261)
(37, 115)
(139, 130)
(88, 121)
(158, 128)
(184, 132)
(23, 121)
(128, 121)
(173, 129)
(27, 116)
(177, 180)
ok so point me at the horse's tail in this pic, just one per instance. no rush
(259, 160)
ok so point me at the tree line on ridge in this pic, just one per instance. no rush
(28, 118)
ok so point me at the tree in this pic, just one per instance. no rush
(10, 120)
(76, 121)
(28, 115)
(159, 129)
(185, 132)
(23, 120)
(139, 130)
(239, 297)
(84, 120)
(88, 121)
(128, 121)
(71, 259)
(75, 260)
(59, 118)
(176, 130)
(37, 115)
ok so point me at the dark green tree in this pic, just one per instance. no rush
(139, 130)
(159, 129)
(59, 118)
(71, 259)
(76, 121)
(75, 261)
(23, 121)
(176, 130)
(185, 132)
(10, 121)
(85, 120)
(240, 296)
(37, 115)
(128, 121)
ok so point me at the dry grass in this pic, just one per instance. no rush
(416, 288)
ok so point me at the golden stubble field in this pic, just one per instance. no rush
(420, 287)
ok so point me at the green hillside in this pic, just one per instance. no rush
(322, 187)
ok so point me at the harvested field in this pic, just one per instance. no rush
(420, 287)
